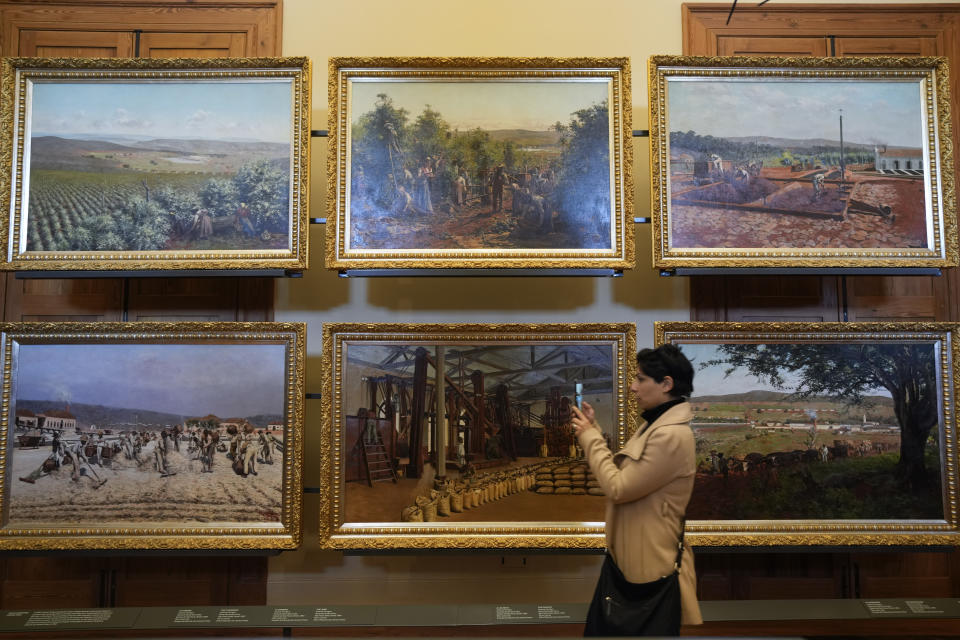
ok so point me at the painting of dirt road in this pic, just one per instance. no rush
(765, 164)
(147, 435)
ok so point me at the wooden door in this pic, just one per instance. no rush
(177, 28)
(829, 30)
(840, 30)
(160, 30)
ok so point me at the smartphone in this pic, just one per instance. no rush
(578, 397)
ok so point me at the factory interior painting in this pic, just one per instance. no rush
(507, 451)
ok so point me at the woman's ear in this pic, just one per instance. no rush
(667, 384)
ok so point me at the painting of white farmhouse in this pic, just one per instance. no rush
(184, 165)
(803, 165)
(828, 431)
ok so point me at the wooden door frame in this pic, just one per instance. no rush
(262, 19)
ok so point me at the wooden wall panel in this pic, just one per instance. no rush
(193, 45)
(172, 582)
(887, 46)
(57, 299)
(764, 298)
(772, 46)
(69, 44)
(41, 582)
(906, 575)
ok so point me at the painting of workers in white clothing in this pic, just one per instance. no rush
(186, 434)
(481, 165)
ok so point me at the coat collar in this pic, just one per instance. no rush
(679, 414)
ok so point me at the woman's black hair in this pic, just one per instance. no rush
(668, 360)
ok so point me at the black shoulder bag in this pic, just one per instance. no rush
(623, 608)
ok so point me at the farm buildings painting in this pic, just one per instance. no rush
(507, 453)
(158, 165)
(146, 435)
(480, 165)
(817, 431)
(824, 164)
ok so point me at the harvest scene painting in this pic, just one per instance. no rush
(507, 453)
(818, 164)
(480, 165)
(128, 434)
(817, 431)
(159, 165)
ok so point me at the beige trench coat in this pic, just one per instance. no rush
(648, 484)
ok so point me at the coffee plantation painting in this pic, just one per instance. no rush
(132, 436)
(475, 162)
(819, 162)
(822, 433)
(155, 164)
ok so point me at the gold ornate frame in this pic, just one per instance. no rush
(19, 74)
(343, 71)
(97, 532)
(840, 532)
(932, 75)
(338, 533)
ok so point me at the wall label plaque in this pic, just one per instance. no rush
(48, 619)
(929, 608)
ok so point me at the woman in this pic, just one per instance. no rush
(648, 483)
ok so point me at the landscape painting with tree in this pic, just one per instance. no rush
(502, 454)
(465, 163)
(772, 161)
(147, 433)
(839, 425)
(171, 165)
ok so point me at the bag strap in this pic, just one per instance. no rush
(676, 563)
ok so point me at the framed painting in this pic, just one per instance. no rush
(155, 164)
(801, 162)
(151, 435)
(815, 434)
(459, 435)
(480, 163)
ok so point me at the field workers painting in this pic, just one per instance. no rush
(124, 434)
(170, 166)
(461, 162)
(805, 165)
(836, 425)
